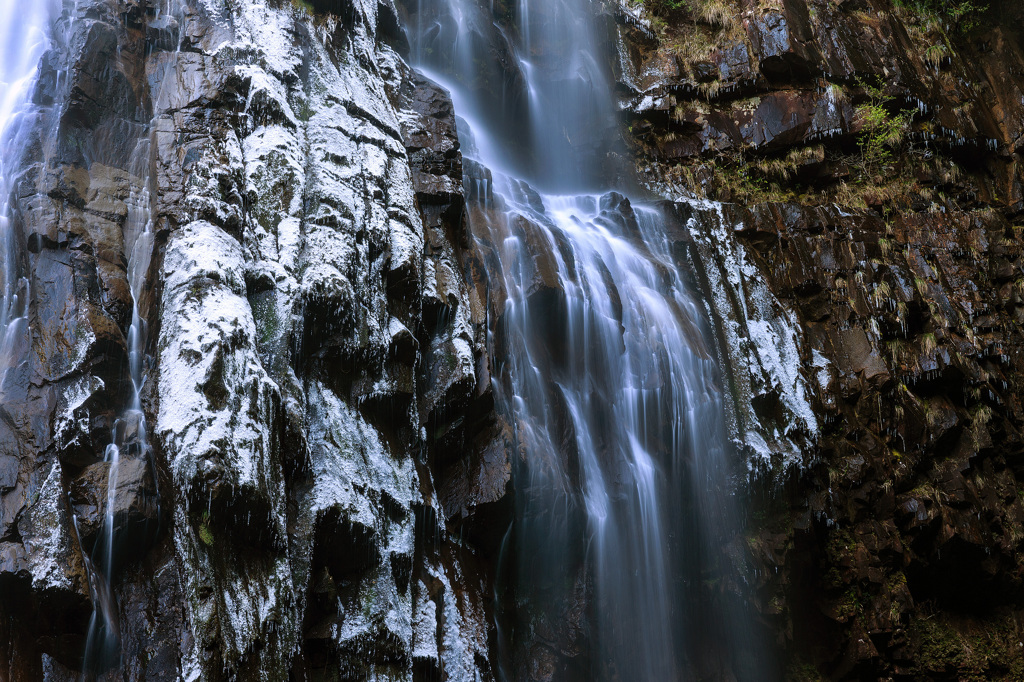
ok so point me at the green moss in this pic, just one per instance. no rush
(940, 645)
(265, 316)
(800, 670)
(840, 543)
(662, 7)
(205, 534)
(972, 650)
(850, 604)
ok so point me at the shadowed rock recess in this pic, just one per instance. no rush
(326, 491)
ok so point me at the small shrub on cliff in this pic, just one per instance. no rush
(205, 534)
(664, 6)
(883, 132)
(714, 12)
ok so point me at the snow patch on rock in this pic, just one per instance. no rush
(763, 341)
(51, 554)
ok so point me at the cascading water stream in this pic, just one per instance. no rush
(24, 37)
(570, 102)
(600, 360)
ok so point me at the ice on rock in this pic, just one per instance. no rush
(267, 33)
(424, 635)
(406, 246)
(231, 612)
(272, 161)
(267, 97)
(354, 473)
(348, 455)
(317, 159)
(69, 423)
(465, 630)
(218, 408)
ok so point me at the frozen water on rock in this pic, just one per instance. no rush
(50, 548)
(424, 635)
(465, 634)
(208, 335)
(330, 211)
(348, 455)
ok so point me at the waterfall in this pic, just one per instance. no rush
(603, 359)
(24, 37)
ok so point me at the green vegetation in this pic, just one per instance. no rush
(205, 534)
(664, 6)
(800, 670)
(962, 15)
(883, 131)
(714, 12)
(973, 650)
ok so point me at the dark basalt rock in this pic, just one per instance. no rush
(921, 512)
(783, 42)
(432, 142)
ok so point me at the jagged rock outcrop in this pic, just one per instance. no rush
(894, 552)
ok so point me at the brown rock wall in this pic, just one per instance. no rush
(895, 553)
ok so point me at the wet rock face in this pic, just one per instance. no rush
(68, 379)
(908, 508)
(894, 551)
(318, 392)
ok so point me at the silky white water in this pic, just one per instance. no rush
(24, 37)
(602, 359)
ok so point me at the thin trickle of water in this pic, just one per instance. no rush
(602, 363)
(130, 435)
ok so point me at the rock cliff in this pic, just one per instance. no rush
(317, 382)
